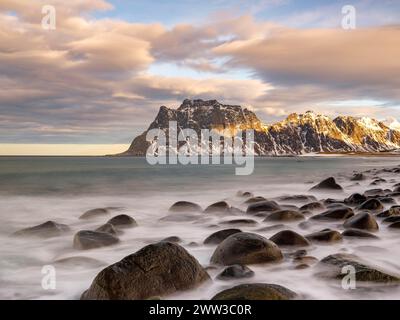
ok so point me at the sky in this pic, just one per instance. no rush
(97, 80)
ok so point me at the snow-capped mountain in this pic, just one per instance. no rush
(297, 134)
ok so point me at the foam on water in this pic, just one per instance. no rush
(35, 190)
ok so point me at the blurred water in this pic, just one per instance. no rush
(36, 189)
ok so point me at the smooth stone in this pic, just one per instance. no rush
(235, 271)
(246, 248)
(357, 233)
(393, 211)
(122, 221)
(394, 225)
(256, 291)
(289, 238)
(107, 228)
(94, 213)
(79, 262)
(297, 198)
(219, 236)
(239, 222)
(309, 260)
(244, 194)
(364, 272)
(185, 206)
(355, 199)
(312, 206)
(340, 213)
(357, 177)
(374, 192)
(155, 270)
(285, 215)
(48, 229)
(263, 206)
(173, 239)
(255, 200)
(391, 219)
(363, 221)
(371, 204)
(221, 206)
(86, 239)
(327, 184)
(328, 236)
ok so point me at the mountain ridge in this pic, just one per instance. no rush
(298, 134)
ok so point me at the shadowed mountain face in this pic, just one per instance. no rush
(297, 134)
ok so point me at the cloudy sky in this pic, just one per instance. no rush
(98, 79)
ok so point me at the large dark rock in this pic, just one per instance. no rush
(122, 221)
(357, 233)
(355, 199)
(219, 236)
(239, 222)
(363, 221)
(263, 206)
(235, 271)
(86, 239)
(339, 213)
(256, 291)
(48, 229)
(155, 270)
(218, 207)
(327, 236)
(371, 204)
(391, 219)
(285, 215)
(289, 238)
(327, 184)
(334, 263)
(246, 248)
(185, 206)
(394, 225)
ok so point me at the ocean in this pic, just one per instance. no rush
(37, 189)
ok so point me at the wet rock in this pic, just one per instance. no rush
(155, 270)
(219, 236)
(239, 222)
(312, 206)
(327, 184)
(363, 221)
(246, 248)
(235, 271)
(326, 235)
(309, 260)
(357, 233)
(218, 207)
(393, 211)
(284, 215)
(173, 239)
(86, 239)
(244, 194)
(330, 202)
(386, 200)
(297, 198)
(394, 225)
(255, 200)
(333, 265)
(94, 213)
(391, 219)
(374, 192)
(289, 238)
(256, 291)
(263, 206)
(357, 177)
(340, 213)
(371, 204)
(48, 229)
(185, 206)
(355, 199)
(107, 228)
(301, 266)
(122, 221)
